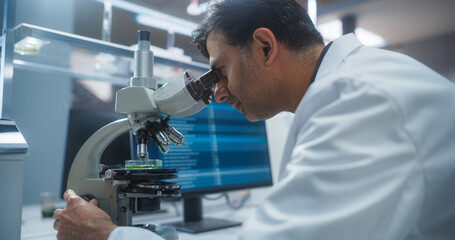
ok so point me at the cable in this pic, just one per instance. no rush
(232, 204)
(240, 203)
(214, 198)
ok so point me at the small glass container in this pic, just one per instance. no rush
(138, 164)
(47, 204)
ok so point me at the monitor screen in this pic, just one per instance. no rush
(222, 151)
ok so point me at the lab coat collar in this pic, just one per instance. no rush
(340, 49)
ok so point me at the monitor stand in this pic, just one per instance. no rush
(194, 222)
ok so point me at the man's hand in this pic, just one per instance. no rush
(81, 219)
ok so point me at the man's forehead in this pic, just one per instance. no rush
(215, 46)
(216, 36)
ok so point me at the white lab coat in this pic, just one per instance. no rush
(370, 154)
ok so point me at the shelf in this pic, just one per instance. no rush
(55, 52)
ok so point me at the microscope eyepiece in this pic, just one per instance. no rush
(202, 88)
(143, 35)
(209, 79)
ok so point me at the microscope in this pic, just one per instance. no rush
(124, 191)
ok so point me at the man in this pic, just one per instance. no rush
(371, 151)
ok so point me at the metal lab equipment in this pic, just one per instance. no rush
(13, 151)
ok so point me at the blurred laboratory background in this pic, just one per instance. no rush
(62, 62)
(44, 90)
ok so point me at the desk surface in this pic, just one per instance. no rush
(34, 227)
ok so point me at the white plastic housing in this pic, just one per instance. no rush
(174, 99)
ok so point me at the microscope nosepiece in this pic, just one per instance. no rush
(175, 136)
(142, 151)
(163, 148)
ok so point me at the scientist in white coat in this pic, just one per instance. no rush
(370, 153)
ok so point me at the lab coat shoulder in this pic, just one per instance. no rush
(425, 101)
(423, 97)
(350, 160)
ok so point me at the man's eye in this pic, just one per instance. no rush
(220, 72)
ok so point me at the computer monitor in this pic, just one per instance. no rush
(222, 151)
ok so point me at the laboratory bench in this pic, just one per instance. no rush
(35, 227)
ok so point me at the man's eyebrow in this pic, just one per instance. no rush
(213, 64)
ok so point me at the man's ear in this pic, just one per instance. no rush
(265, 41)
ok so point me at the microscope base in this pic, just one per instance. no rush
(203, 225)
(166, 232)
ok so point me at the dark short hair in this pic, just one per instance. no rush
(238, 19)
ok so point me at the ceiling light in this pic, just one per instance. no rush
(369, 38)
(333, 30)
(196, 9)
(156, 19)
(313, 10)
(330, 30)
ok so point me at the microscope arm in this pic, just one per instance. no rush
(84, 178)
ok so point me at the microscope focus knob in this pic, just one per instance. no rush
(88, 197)
(109, 174)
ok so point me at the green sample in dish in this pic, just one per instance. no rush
(139, 164)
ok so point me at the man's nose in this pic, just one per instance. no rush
(221, 92)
